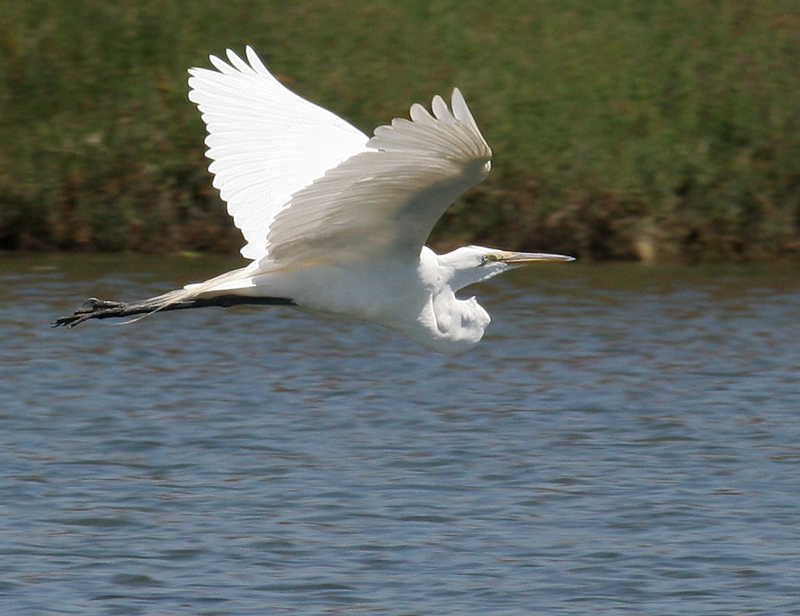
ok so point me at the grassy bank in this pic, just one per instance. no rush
(621, 130)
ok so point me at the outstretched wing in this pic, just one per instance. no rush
(385, 201)
(265, 142)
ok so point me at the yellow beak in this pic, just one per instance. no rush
(519, 258)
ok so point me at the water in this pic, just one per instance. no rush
(626, 440)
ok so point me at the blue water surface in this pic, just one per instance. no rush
(626, 440)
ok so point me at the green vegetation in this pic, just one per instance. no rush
(621, 130)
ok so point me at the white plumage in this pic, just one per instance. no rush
(335, 222)
(266, 143)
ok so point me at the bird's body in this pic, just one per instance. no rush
(335, 222)
(384, 291)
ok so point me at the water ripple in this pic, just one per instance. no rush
(625, 441)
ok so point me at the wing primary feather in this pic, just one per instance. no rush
(461, 110)
(420, 115)
(222, 66)
(239, 64)
(258, 66)
(440, 110)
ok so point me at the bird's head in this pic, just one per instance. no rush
(471, 264)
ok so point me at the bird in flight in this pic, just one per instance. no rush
(335, 222)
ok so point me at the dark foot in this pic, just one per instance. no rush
(92, 308)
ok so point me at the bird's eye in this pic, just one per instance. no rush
(489, 259)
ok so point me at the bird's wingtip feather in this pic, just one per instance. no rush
(461, 110)
(440, 110)
(219, 64)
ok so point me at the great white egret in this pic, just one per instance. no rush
(335, 222)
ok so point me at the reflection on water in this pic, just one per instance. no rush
(625, 441)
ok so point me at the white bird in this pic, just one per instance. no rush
(335, 222)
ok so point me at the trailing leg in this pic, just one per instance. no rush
(94, 308)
